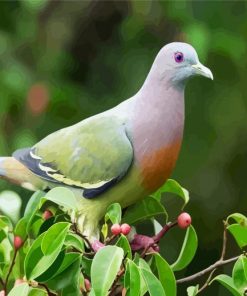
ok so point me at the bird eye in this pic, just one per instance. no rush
(179, 57)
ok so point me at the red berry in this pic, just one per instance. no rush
(47, 214)
(184, 220)
(116, 229)
(125, 228)
(18, 242)
(87, 285)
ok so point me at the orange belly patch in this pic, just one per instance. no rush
(157, 167)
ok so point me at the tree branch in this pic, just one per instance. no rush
(163, 231)
(10, 270)
(206, 270)
(223, 253)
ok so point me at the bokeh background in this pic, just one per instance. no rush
(61, 62)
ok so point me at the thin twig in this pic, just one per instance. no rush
(83, 237)
(163, 231)
(206, 270)
(207, 281)
(2, 282)
(10, 270)
(114, 285)
(223, 253)
(47, 290)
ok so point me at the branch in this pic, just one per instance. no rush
(206, 270)
(83, 237)
(207, 281)
(163, 231)
(47, 289)
(10, 270)
(224, 242)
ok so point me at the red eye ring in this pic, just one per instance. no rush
(179, 57)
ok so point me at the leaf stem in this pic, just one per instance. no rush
(206, 270)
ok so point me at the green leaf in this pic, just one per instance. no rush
(188, 250)
(75, 241)
(239, 232)
(143, 210)
(86, 264)
(37, 292)
(63, 197)
(239, 273)
(109, 259)
(114, 213)
(174, 187)
(20, 290)
(32, 208)
(68, 280)
(104, 230)
(227, 282)
(166, 275)
(153, 284)
(192, 290)
(124, 244)
(239, 218)
(10, 204)
(54, 237)
(62, 262)
(33, 204)
(21, 228)
(132, 279)
(5, 224)
(37, 262)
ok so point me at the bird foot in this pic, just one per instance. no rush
(144, 242)
(97, 245)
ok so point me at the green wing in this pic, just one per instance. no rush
(91, 155)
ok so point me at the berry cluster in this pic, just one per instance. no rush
(117, 229)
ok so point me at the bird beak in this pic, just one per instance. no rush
(199, 69)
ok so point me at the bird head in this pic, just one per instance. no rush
(179, 61)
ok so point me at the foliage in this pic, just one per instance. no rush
(53, 258)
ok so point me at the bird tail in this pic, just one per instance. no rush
(15, 172)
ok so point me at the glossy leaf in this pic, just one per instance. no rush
(154, 286)
(239, 232)
(192, 290)
(124, 244)
(36, 261)
(20, 290)
(239, 273)
(166, 275)
(143, 210)
(174, 187)
(188, 250)
(105, 267)
(227, 282)
(132, 279)
(75, 241)
(63, 197)
(37, 292)
(239, 218)
(10, 204)
(114, 213)
(54, 237)
(68, 280)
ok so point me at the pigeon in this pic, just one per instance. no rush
(118, 156)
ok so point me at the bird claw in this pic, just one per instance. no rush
(97, 245)
(143, 242)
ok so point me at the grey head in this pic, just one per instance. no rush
(176, 62)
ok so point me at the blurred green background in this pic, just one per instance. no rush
(61, 62)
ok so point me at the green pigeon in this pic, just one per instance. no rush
(120, 155)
